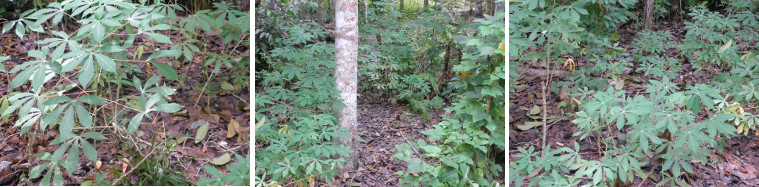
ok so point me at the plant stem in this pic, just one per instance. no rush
(204, 88)
(548, 79)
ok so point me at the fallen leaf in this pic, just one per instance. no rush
(197, 124)
(223, 159)
(529, 125)
(98, 164)
(227, 87)
(233, 128)
(123, 167)
(535, 110)
(202, 132)
(260, 122)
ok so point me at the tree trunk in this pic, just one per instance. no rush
(366, 9)
(319, 13)
(649, 14)
(491, 7)
(401, 5)
(441, 4)
(346, 73)
(426, 2)
(478, 8)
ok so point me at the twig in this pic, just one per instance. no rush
(647, 176)
(409, 143)
(204, 88)
(133, 168)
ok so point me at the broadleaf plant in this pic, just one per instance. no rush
(85, 61)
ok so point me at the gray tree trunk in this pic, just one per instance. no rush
(478, 8)
(346, 73)
(649, 14)
(426, 2)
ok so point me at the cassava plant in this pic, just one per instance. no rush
(72, 73)
(469, 141)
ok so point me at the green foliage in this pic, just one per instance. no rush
(92, 58)
(475, 133)
(637, 121)
(157, 170)
(387, 55)
(239, 174)
(708, 39)
(649, 42)
(657, 66)
(296, 100)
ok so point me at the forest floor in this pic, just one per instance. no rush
(735, 166)
(382, 127)
(221, 108)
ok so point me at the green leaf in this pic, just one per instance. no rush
(58, 178)
(87, 72)
(46, 179)
(94, 135)
(98, 32)
(86, 183)
(223, 159)
(67, 123)
(202, 131)
(84, 116)
(159, 37)
(72, 159)
(213, 171)
(91, 99)
(56, 100)
(89, 151)
(135, 123)
(106, 63)
(166, 70)
(168, 108)
(37, 170)
(2, 66)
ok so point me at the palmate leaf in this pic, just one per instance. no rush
(716, 123)
(643, 133)
(706, 93)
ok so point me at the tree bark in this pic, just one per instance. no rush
(346, 73)
(478, 8)
(401, 5)
(426, 2)
(649, 14)
(441, 4)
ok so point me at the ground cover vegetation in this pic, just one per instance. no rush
(94, 88)
(417, 57)
(630, 102)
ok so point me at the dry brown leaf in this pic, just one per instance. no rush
(233, 128)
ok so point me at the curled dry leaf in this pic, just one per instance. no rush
(98, 164)
(233, 128)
